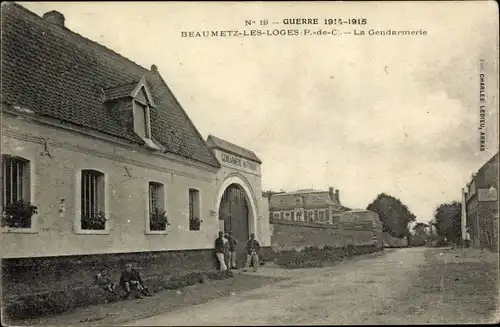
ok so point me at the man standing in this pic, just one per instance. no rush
(253, 248)
(219, 250)
(467, 238)
(232, 251)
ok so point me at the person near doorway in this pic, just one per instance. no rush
(232, 250)
(226, 250)
(467, 238)
(220, 249)
(253, 248)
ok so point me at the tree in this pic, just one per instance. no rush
(421, 236)
(448, 221)
(394, 215)
(420, 229)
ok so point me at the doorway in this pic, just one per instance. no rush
(233, 211)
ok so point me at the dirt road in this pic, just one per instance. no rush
(405, 286)
(357, 292)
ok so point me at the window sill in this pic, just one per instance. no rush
(19, 230)
(194, 230)
(91, 232)
(157, 232)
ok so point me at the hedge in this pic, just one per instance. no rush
(57, 302)
(314, 256)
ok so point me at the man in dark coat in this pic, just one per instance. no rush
(253, 248)
(231, 242)
(220, 250)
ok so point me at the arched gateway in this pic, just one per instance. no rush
(237, 211)
(238, 200)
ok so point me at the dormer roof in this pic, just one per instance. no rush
(55, 72)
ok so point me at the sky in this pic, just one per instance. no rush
(362, 114)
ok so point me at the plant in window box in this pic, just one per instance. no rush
(18, 214)
(94, 221)
(158, 220)
(194, 223)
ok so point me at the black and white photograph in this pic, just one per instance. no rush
(249, 163)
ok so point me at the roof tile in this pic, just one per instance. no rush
(58, 73)
(215, 142)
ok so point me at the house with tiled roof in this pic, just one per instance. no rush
(307, 205)
(311, 217)
(480, 202)
(116, 169)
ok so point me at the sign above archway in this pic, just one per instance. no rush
(233, 156)
(238, 161)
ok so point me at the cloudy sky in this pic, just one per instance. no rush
(362, 114)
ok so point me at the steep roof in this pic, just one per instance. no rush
(304, 191)
(359, 216)
(58, 73)
(307, 200)
(215, 142)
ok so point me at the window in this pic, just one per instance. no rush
(299, 215)
(316, 215)
(310, 215)
(142, 124)
(293, 215)
(141, 120)
(322, 216)
(276, 215)
(282, 215)
(194, 209)
(158, 219)
(92, 201)
(16, 191)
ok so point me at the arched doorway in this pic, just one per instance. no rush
(234, 212)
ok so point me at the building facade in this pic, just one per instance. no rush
(114, 166)
(306, 205)
(317, 218)
(238, 202)
(481, 203)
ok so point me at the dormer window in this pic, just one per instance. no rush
(132, 104)
(142, 123)
(143, 101)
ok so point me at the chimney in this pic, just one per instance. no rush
(154, 68)
(54, 17)
(331, 193)
(337, 195)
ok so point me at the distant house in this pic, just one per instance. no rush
(481, 202)
(306, 205)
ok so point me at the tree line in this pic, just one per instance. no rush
(444, 227)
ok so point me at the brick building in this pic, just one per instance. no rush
(306, 205)
(101, 146)
(481, 204)
(317, 218)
